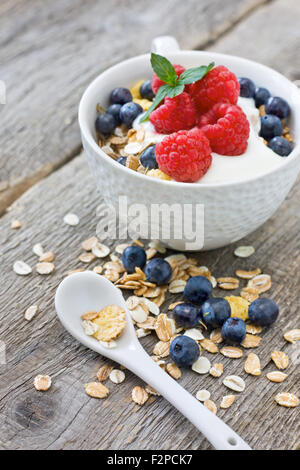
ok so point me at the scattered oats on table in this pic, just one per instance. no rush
(252, 365)
(15, 224)
(45, 268)
(21, 268)
(103, 372)
(211, 406)
(139, 395)
(42, 383)
(71, 219)
(280, 359)
(31, 312)
(203, 395)
(288, 400)
(96, 390)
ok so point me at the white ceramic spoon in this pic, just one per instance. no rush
(86, 291)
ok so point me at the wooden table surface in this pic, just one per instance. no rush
(49, 52)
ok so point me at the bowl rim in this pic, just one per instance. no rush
(86, 132)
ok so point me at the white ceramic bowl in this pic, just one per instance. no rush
(232, 210)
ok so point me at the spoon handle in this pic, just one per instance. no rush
(221, 436)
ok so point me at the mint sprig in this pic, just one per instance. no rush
(174, 85)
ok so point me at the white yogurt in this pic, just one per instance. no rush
(257, 159)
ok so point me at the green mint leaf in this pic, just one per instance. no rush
(173, 91)
(163, 69)
(161, 93)
(195, 74)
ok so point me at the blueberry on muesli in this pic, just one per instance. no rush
(271, 126)
(122, 160)
(114, 110)
(278, 106)
(148, 159)
(129, 112)
(280, 146)
(261, 96)
(146, 90)
(120, 95)
(105, 124)
(247, 87)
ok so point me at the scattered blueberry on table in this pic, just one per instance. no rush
(234, 330)
(215, 311)
(133, 257)
(263, 312)
(197, 289)
(184, 351)
(186, 315)
(158, 271)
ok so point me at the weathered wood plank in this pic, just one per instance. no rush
(269, 35)
(52, 50)
(64, 417)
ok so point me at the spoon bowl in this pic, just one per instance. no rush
(81, 292)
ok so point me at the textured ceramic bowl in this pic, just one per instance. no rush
(231, 210)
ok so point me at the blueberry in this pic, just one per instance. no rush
(184, 351)
(263, 312)
(148, 159)
(129, 112)
(114, 110)
(278, 106)
(247, 87)
(158, 271)
(215, 311)
(122, 160)
(105, 124)
(197, 289)
(120, 96)
(261, 96)
(146, 90)
(133, 257)
(270, 126)
(280, 146)
(186, 315)
(234, 330)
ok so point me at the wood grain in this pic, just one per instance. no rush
(64, 417)
(269, 35)
(51, 50)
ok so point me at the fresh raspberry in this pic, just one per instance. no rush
(220, 85)
(175, 114)
(227, 128)
(157, 82)
(184, 155)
